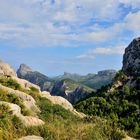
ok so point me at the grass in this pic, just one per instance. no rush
(64, 125)
(60, 124)
(12, 98)
(9, 82)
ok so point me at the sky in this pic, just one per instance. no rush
(76, 36)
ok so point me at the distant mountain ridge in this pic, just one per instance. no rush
(72, 87)
(95, 81)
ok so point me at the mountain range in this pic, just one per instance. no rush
(72, 87)
(110, 113)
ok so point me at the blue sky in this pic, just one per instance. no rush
(53, 36)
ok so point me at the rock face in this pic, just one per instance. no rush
(106, 72)
(5, 69)
(28, 100)
(71, 90)
(25, 72)
(131, 58)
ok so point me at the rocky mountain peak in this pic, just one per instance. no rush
(131, 58)
(23, 70)
(106, 72)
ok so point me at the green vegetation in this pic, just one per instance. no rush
(60, 124)
(34, 92)
(10, 126)
(122, 106)
(12, 98)
(9, 82)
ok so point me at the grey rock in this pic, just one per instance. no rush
(106, 72)
(131, 58)
(23, 70)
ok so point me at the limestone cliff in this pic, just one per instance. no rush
(131, 58)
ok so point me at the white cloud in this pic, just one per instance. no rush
(108, 51)
(99, 36)
(132, 21)
(85, 56)
(64, 22)
(104, 34)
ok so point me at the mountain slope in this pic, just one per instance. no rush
(27, 113)
(120, 101)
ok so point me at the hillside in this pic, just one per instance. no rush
(27, 113)
(120, 101)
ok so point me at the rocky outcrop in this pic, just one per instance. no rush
(62, 102)
(115, 85)
(131, 58)
(5, 69)
(25, 84)
(26, 120)
(28, 100)
(25, 72)
(31, 138)
(58, 100)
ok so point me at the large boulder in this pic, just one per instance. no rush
(62, 102)
(131, 58)
(58, 100)
(5, 69)
(26, 84)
